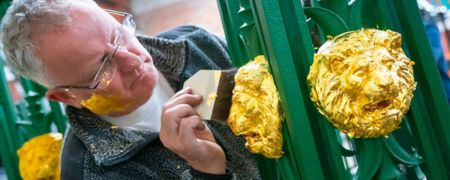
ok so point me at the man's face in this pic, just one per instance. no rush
(73, 55)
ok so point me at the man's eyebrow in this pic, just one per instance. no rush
(99, 62)
(88, 77)
(104, 57)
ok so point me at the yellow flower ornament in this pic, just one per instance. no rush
(362, 82)
(39, 157)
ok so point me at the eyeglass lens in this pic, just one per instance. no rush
(108, 69)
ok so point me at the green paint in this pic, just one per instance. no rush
(313, 148)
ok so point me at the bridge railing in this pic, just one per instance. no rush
(281, 31)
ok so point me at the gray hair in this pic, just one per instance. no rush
(24, 20)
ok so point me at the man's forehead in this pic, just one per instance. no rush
(88, 23)
(68, 52)
(83, 37)
(86, 3)
(84, 11)
(83, 5)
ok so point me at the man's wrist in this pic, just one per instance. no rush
(213, 162)
(217, 166)
(202, 175)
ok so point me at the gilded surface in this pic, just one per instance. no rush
(363, 82)
(255, 108)
(39, 157)
(103, 105)
(211, 98)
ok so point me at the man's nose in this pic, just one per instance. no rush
(129, 62)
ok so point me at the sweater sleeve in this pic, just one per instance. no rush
(72, 157)
(207, 51)
(204, 50)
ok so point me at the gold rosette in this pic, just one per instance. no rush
(362, 82)
(255, 107)
(39, 157)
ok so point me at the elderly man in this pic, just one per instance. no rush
(126, 121)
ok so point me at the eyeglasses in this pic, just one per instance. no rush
(107, 69)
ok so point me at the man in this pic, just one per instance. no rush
(126, 122)
(119, 5)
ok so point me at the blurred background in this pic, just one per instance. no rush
(153, 16)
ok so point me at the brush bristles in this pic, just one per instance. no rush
(222, 102)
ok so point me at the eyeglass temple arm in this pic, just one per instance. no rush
(117, 12)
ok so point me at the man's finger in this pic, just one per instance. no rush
(170, 120)
(187, 126)
(189, 99)
(187, 90)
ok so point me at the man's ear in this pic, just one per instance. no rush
(62, 95)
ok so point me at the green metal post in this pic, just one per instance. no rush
(301, 50)
(34, 119)
(313, 149)
(8, 139)
(232, 21)
(3, 6)
(434, 103)
(7, 120)
(274, 38)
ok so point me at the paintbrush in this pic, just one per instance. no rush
(216, 89)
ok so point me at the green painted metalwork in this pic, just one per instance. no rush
(41, 113)
(7, 136)
(7, 139)
(322, 16)
(434, 102)
(279, 54)
(419, 149)
(31, 117)
(339, 7)
(233, 21)
(3, 6)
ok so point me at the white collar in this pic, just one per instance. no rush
(148, 116)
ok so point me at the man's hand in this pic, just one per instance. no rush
(183, 132)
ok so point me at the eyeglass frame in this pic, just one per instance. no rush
(128, 22)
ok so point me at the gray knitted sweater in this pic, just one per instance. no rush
(94, 150)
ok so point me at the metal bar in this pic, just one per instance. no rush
(59, 116)
(7, 129)
(434, 102)
(340, 7)
(301, 47)
(312, 151)
(231, 22)
(234, 15)
(273, 38)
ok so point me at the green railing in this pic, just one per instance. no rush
(8, 138)
(32, 116)
(281, 30)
